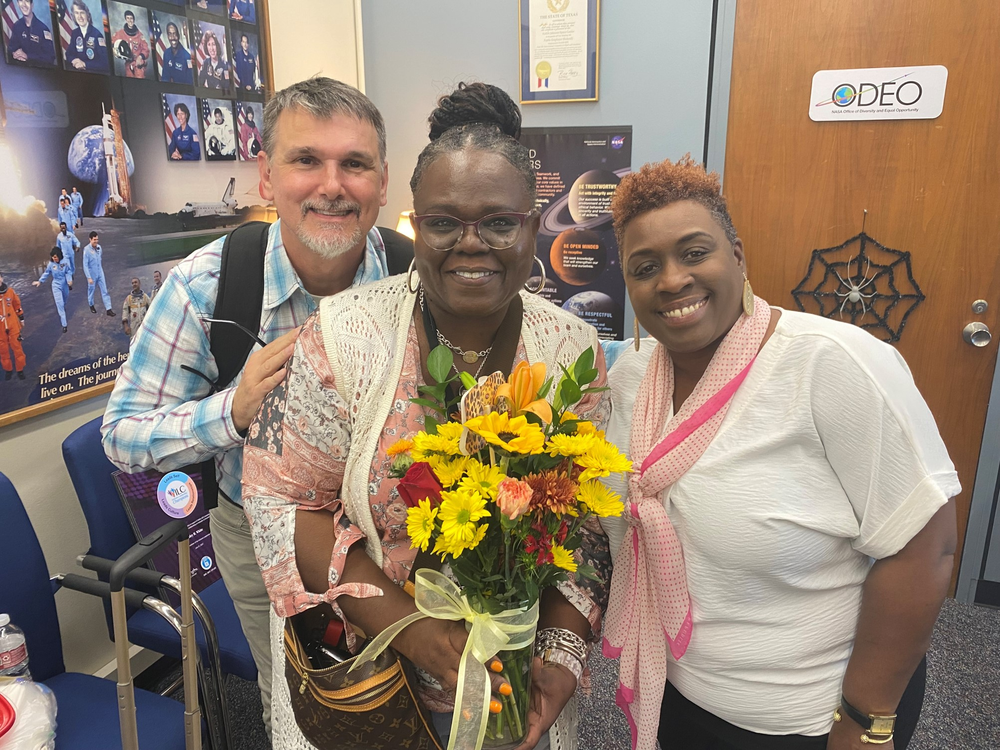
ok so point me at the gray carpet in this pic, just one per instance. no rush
(961, 709)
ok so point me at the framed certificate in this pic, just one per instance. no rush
(560, 50)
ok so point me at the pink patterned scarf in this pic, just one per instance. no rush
(649, 606)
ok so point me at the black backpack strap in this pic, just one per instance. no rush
(240, 299)
(398, 250)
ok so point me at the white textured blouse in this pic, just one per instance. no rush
(827, 458)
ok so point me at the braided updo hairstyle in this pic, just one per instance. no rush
(476, 116)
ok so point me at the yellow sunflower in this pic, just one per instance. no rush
(482, 478)
(448, 471)
(515, 434)
(563, 558)
(444, 443)
(420, 524)
(569, 445)
(459, 512)
(603, 459)
(599, 500)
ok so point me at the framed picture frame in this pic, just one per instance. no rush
(559, 50)
(28, 34)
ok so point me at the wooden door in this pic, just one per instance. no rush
(931, 187)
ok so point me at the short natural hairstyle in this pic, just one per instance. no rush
(82, 6)
(476, 116)
(182, 107)
(209, 36)
(658, 185)
(57, 252)
(322, 98)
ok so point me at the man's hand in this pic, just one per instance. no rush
(127, 327)
(79, 64)
(552, 685)
(20, 55)
(846, 735)
(90, 282)
(264, 369)
(176, 155)
(36, 283)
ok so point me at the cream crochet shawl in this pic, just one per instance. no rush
(364, 332)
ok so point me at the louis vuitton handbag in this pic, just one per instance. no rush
(373, 708)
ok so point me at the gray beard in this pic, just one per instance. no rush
(329, 246)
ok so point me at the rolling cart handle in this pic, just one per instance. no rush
(138, 555)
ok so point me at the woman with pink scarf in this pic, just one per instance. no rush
(789, 535)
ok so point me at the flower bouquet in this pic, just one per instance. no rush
(499, 484)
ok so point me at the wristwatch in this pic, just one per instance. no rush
(878, 727)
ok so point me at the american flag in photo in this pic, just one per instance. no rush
(206, 113)
(66, 25)
(155, 30)
(169, 123)
(241, 120)
(199, 53)
(10, 17)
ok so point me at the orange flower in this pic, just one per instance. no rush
(552, 491)
(513, 497)
(521, 391)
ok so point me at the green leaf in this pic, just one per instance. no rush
(428, 403)
(588, 572)
(596, 390)
(570, 392)
(543, 392)
(468, 381)
(588, 376)
(584, 363)
(439, 363)
(431, 425)
(437, 392)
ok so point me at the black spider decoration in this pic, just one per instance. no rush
(877, 293)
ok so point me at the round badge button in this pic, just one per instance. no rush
(206, 563)
(177, 494)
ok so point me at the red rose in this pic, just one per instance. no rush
(419, 483)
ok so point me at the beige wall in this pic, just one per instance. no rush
(31, 451)
(310, 37)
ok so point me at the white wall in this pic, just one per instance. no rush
(31, 457)
(31, 451)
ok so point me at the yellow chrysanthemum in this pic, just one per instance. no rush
(454, 546)
(516, 434)
(587, 428)
(569, 445)
(567, 416)
(444, 443)
(420, 524)
(459, 512)
(603, 459)
(482, 478)
(599, 500)
(400, 446)
(563, 558)
(448, 470)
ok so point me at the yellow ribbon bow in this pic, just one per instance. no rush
(439, 597)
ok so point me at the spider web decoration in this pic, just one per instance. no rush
(872, 286)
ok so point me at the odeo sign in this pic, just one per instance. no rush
(910, 93)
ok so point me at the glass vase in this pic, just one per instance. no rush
(507, 729)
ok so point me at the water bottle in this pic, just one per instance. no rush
(13, 651)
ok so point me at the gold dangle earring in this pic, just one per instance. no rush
(635, 341)
(748, 300)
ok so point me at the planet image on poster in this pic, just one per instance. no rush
(559, 216)
(595, 307)
(87, 162)
(578, 256)
(590, 196)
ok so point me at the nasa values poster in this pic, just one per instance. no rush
(577, 171)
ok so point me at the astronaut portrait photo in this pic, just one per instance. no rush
(180, 126)
(27, 33)
(219, 133)
(130, 40)
(249, 117)
(81, 34)
(212, 56)
(243, 10)
(169, 35)
(209, 6)
(246, 62)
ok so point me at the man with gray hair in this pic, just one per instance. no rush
(324, 167)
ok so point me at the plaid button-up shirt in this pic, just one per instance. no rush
(161, 416)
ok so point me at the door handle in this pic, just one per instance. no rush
(977, 334)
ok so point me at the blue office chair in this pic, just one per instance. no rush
(111, 534)
(87, 706)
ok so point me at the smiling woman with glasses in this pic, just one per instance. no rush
(327, 518)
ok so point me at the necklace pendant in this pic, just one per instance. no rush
(470, 357)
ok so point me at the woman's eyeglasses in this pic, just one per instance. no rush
(497, 231)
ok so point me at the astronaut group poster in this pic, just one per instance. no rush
(136, 122)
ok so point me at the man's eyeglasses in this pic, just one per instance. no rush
(497, 231)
